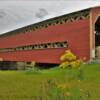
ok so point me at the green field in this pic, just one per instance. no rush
(26, 85)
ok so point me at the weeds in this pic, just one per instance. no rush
(69, 90)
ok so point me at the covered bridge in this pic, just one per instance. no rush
(46, 41)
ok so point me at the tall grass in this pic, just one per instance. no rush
(23, 85)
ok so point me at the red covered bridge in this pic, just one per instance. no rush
(46, 41)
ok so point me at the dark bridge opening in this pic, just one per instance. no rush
(97, 38)
(97, 34)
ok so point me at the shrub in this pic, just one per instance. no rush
(64, 64)
(69, 56)
(75, 64)
(69, 60)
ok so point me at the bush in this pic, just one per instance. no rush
(69, 60)
(64, 64)
(69, 56)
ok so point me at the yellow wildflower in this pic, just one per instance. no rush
(68, 94)
(81, 90)
(64, 64)
(68, 85)
(63, 86)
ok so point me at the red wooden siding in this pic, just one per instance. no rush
(75, 33)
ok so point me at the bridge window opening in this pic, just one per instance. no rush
(32, 46)
(37, 46)
(49, 24)
(46, 26)
(61, 22)
(65, 20)
(29, 47)
(57, 22)
(25, 48)
(48, 45)
(45, 46)
(76, 16)
(40, 26)
(41, 46)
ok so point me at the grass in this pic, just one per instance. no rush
(26, 85)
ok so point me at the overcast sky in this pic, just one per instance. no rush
(19, 13)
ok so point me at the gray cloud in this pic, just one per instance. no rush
(41, 13)
(15, 13)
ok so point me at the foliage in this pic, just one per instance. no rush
(69, 90)
(69, 56)
(69, 60)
